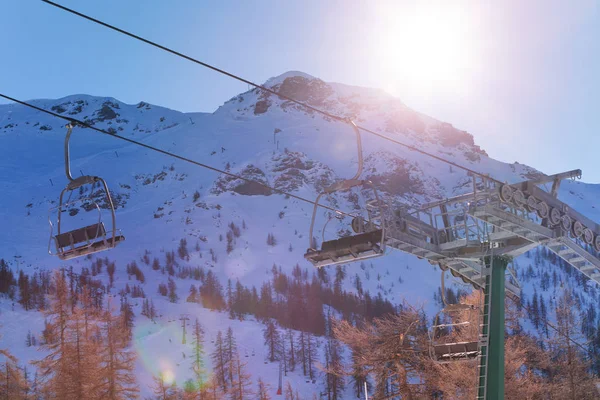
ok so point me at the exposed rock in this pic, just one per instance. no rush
(106, 113)
(290, 180)
(261, 107)
(451, 137)
(399, 177)
(74, 107)
(59, 108)
(404, 120)
(228, 183)
(311, 91)
(294, 169)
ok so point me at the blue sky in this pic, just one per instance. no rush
(522, 76)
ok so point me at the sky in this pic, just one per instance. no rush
(521, 76)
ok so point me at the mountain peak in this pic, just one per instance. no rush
(276, 80)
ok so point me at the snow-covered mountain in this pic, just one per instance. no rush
(161, 200)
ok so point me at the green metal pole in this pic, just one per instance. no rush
(495, 351)
(485, 332)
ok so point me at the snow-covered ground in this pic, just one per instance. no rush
(258, 136)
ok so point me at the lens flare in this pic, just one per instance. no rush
(428, 46)
(161, 353)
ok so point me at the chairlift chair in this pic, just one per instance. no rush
(88, 239)
(442, 348)
(368, 240)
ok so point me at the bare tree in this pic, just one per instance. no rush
(13, 384)
(162, 389)
(117, 379)
(241, 383)
(263, 390)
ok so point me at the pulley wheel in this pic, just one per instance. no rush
(597, 243)
(566, 222)
(506, 193)
(519, 198)
(532, 203)
(543, 210)
(358, 224)
(588, 236)
(555, 216)
(577, 229)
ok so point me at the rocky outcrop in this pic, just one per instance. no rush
(228, 183)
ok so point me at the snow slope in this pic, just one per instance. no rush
(254, 134)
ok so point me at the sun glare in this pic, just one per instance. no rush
(429, 45)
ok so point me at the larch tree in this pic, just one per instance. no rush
(334, 370)
(24, 291)
(88, 310)
(301, 352)
(126, 318)
(83, 359)
(198, 355)
(569, 371)
(381, 347)
(13, 384)
(263, 390)
(173, 298)
(306, 353)
(358, 371)
(230, 352)
(117, 379)
(272, 340)
(230, 299)
(213, 389)
(291, 351)
(54, 369)
(282, 350)
(219, 363)
(241, 383)
(189, 391)
(163, 390)
(311, 353)
(289, 391)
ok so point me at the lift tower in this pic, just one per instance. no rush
(475, 236)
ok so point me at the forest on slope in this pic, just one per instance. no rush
(230, 255)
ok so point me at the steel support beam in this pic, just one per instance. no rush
(491, 380)
(576, 173)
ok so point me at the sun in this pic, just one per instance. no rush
(428, 45)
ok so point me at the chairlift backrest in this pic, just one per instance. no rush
(85, 234)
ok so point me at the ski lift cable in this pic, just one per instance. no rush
(263, 88)
(188, 160)
(170, 154)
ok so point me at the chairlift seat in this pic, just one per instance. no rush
(459, 351)
(363, 245)
(87, 240)
(459, 307)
